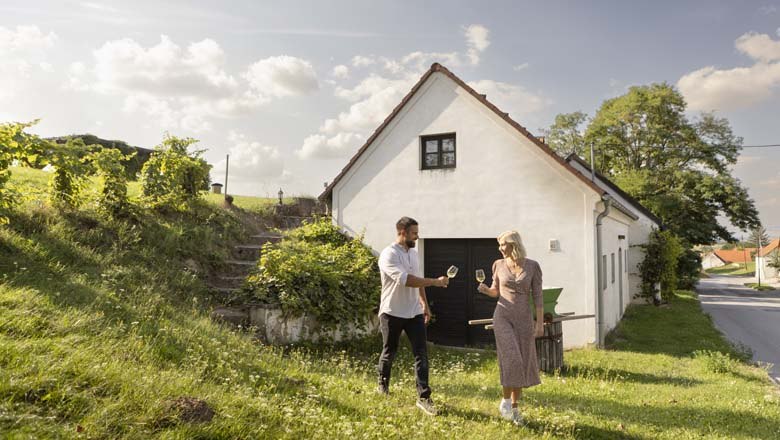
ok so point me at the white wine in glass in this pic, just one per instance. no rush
(452, 271)
(480, 275)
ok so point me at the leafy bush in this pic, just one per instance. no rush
(662, 251)
(70, 171)
(688, 269)
(15, 145)
(318, 271)
(172, 177)
(113, 197)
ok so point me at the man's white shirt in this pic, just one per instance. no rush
(395, 265)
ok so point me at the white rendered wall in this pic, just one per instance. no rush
(613, 226)
(502, 181)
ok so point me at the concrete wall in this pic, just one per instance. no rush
(274, 328)
(502, 181)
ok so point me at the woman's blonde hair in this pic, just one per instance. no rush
(513, 237)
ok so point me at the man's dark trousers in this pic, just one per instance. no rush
(392, 327)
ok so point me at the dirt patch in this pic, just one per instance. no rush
(184, 410)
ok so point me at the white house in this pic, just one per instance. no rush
(466, 172)
(712, 259)
(763, 259)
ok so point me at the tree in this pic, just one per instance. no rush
(70, 172)
(16, 146)
(565, 136)
(758, 237)
(677, 168)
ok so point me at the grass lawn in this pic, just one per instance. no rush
(732, 269)
(102, 326)
(763, 286)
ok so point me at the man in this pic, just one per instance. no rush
(404, 307)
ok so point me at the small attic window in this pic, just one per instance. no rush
(438, 151)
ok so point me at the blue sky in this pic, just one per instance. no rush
(292, 89)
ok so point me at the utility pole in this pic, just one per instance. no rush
(744, 256)
(758, 258)
(227, 165)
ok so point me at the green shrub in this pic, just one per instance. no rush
(172, 177)
(662, 251)
(113, 196)
(318, 271)
(15, 145)
(70, 172)
(688, 269)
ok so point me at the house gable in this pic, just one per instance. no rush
(482, 99)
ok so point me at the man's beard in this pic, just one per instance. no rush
(410, 243)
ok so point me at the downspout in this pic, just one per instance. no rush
(607, 199)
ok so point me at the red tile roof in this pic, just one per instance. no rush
(774, 244)
(736, 255)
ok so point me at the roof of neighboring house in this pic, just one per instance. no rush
(635, 203)
(436, 67)
(736, 255)
(774, 244)
(714, 254)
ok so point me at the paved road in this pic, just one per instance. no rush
(745, 315)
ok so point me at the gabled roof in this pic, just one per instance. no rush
(634, 202)
(436, 67)
(736, 255)
(766, 250)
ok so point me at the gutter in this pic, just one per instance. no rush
(607, 199)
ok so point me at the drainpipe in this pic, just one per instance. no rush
(607, 199)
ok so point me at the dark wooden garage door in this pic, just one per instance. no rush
(460, 302)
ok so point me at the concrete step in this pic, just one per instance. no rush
(231, 315)
(260, 239)
(247, 251)
(235, 281)
(224, 290)
(243, 263)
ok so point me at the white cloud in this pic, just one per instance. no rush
(24, 53)
(477, 41)
(710, 88)
(760, 47)
(520, 67)
(185, 88)
(251, 162)
(25, 38)
(323, 147)
(341, 71)
(362, 61)
(282, 76)
(513, 99)
(767, 10)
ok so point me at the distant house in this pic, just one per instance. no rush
(740, 256)
(764, 257)
(466, 171)
(711, 259)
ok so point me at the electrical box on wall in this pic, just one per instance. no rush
(555, 245)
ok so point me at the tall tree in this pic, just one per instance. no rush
(756, 234)
(678, 168)
(566, 135)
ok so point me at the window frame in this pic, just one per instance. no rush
(440, 137)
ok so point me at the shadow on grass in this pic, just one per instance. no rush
(622, 375)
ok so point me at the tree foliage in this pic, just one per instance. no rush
(758, 237)
(678, 168)
(173, 177)
(565, 136)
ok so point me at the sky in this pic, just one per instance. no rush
(292, 89)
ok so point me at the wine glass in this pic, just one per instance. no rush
(452, 271)
(480, 275)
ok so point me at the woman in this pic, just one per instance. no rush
(514, 278)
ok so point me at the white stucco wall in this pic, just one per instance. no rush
(613, 226)
(709, 260)
(502, 181)
(638, 233)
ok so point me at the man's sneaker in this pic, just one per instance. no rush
(426, 405)
(517, 418)
(505, 409)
